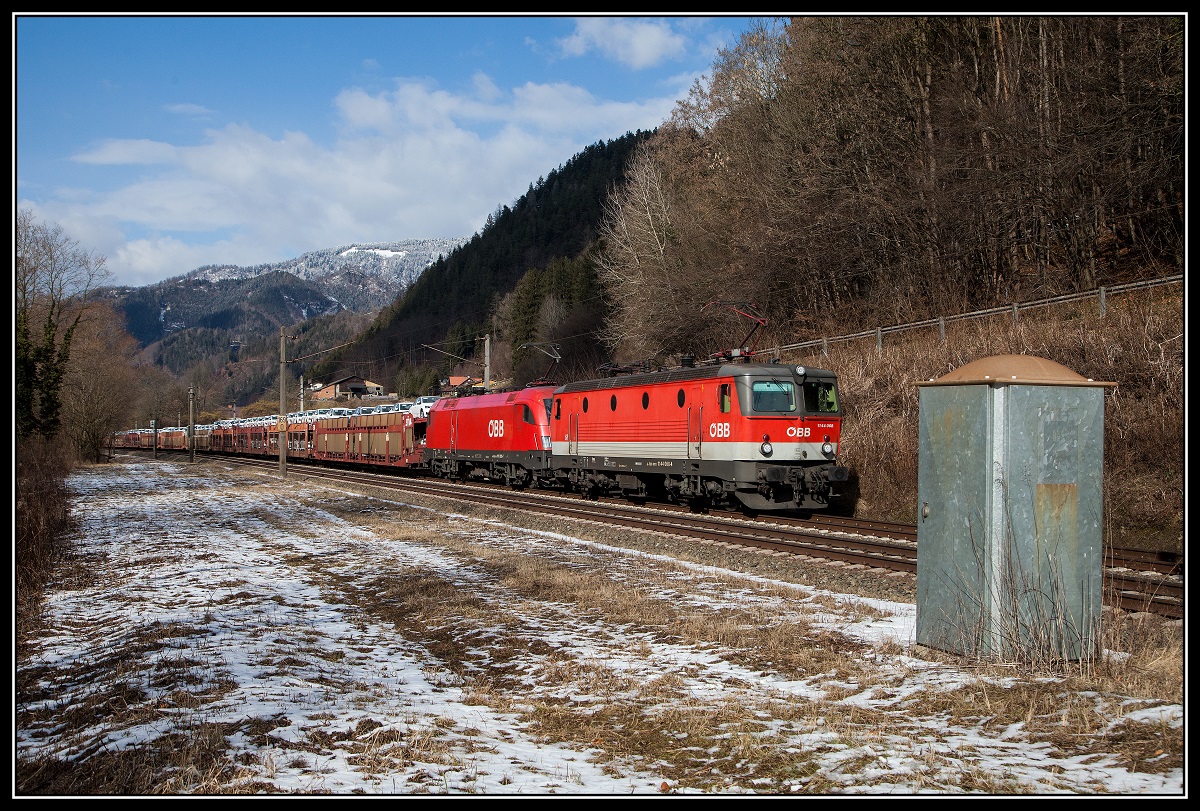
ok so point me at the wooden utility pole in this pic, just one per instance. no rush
(487, 363)
(282, 427)
(191, 423)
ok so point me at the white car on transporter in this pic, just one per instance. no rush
(421, 406)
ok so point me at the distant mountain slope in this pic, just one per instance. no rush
(249, 300)
(362, 277)
(243, 307)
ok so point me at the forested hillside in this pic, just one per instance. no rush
(842, 171)
(235, 307)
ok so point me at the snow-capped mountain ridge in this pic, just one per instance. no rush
(404, 260)
(362, 276)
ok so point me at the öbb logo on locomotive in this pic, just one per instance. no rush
(734, 435)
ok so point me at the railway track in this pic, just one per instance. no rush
(1134, 580)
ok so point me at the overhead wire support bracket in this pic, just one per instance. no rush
(552, 352)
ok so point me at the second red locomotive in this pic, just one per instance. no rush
(503, 437)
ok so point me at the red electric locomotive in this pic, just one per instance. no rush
(760, 436)
(503, 437)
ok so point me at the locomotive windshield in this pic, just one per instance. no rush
(783, 396)
(773, 396)
(820, 397)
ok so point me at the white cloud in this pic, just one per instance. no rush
(485, 88)
(635, 43)
(193, 110)
(129, 151)
(147, 260)
(572, 109)
(361, 110)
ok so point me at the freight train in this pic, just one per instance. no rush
(759, 437)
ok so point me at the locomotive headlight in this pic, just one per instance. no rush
(827, 448)
(766, 446)
(800, 371)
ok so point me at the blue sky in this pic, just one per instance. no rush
(170, 142)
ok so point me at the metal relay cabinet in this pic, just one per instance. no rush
(1010, 498)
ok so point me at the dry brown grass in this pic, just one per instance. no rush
(1150, 664)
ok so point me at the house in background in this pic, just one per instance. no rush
(352, 386)
(460, 385)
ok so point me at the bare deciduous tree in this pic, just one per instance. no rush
(640, 265)
(98, 383)
(53, 277)
(899, 168)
